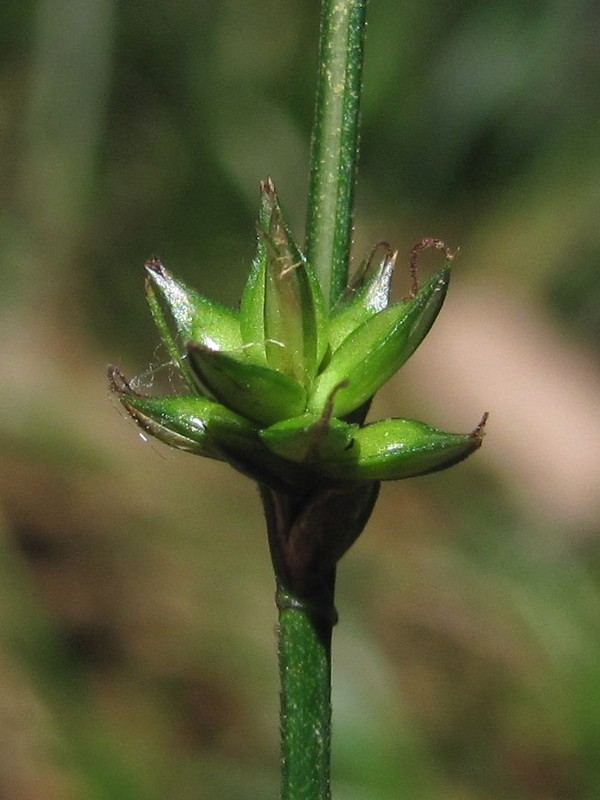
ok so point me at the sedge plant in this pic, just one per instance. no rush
(281, 390)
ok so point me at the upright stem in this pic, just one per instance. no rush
(305, 573)
(334, 150)
(307, 536)
(308, 533)
(305, 672)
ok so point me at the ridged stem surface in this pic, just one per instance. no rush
(334, 149)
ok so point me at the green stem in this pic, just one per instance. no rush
(305, 671)
(305, 576)
(334, 150)
(308, 534)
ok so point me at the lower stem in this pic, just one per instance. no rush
(305, 674)
(308, 533)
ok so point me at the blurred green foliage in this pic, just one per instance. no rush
(137, 648)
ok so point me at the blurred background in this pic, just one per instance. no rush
(137, 646)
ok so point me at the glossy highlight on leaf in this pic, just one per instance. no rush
(294, 315)
(401, 448)
(195, 317)
(168, 339)
(260, 393)
(252, 306)
(368, 298)
(309, 438)
(195, 424)
(375, 350)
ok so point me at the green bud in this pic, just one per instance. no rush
(295, 329)
(400, 448)
(375, 350)
(252, 314)
(252, 306)
(167, 337)
(282, 388)
(204, 321)
(368, 298)
(206, 428)
(257, 392)
(195, 424)
(309, 438)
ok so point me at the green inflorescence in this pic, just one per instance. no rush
(281, 389)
